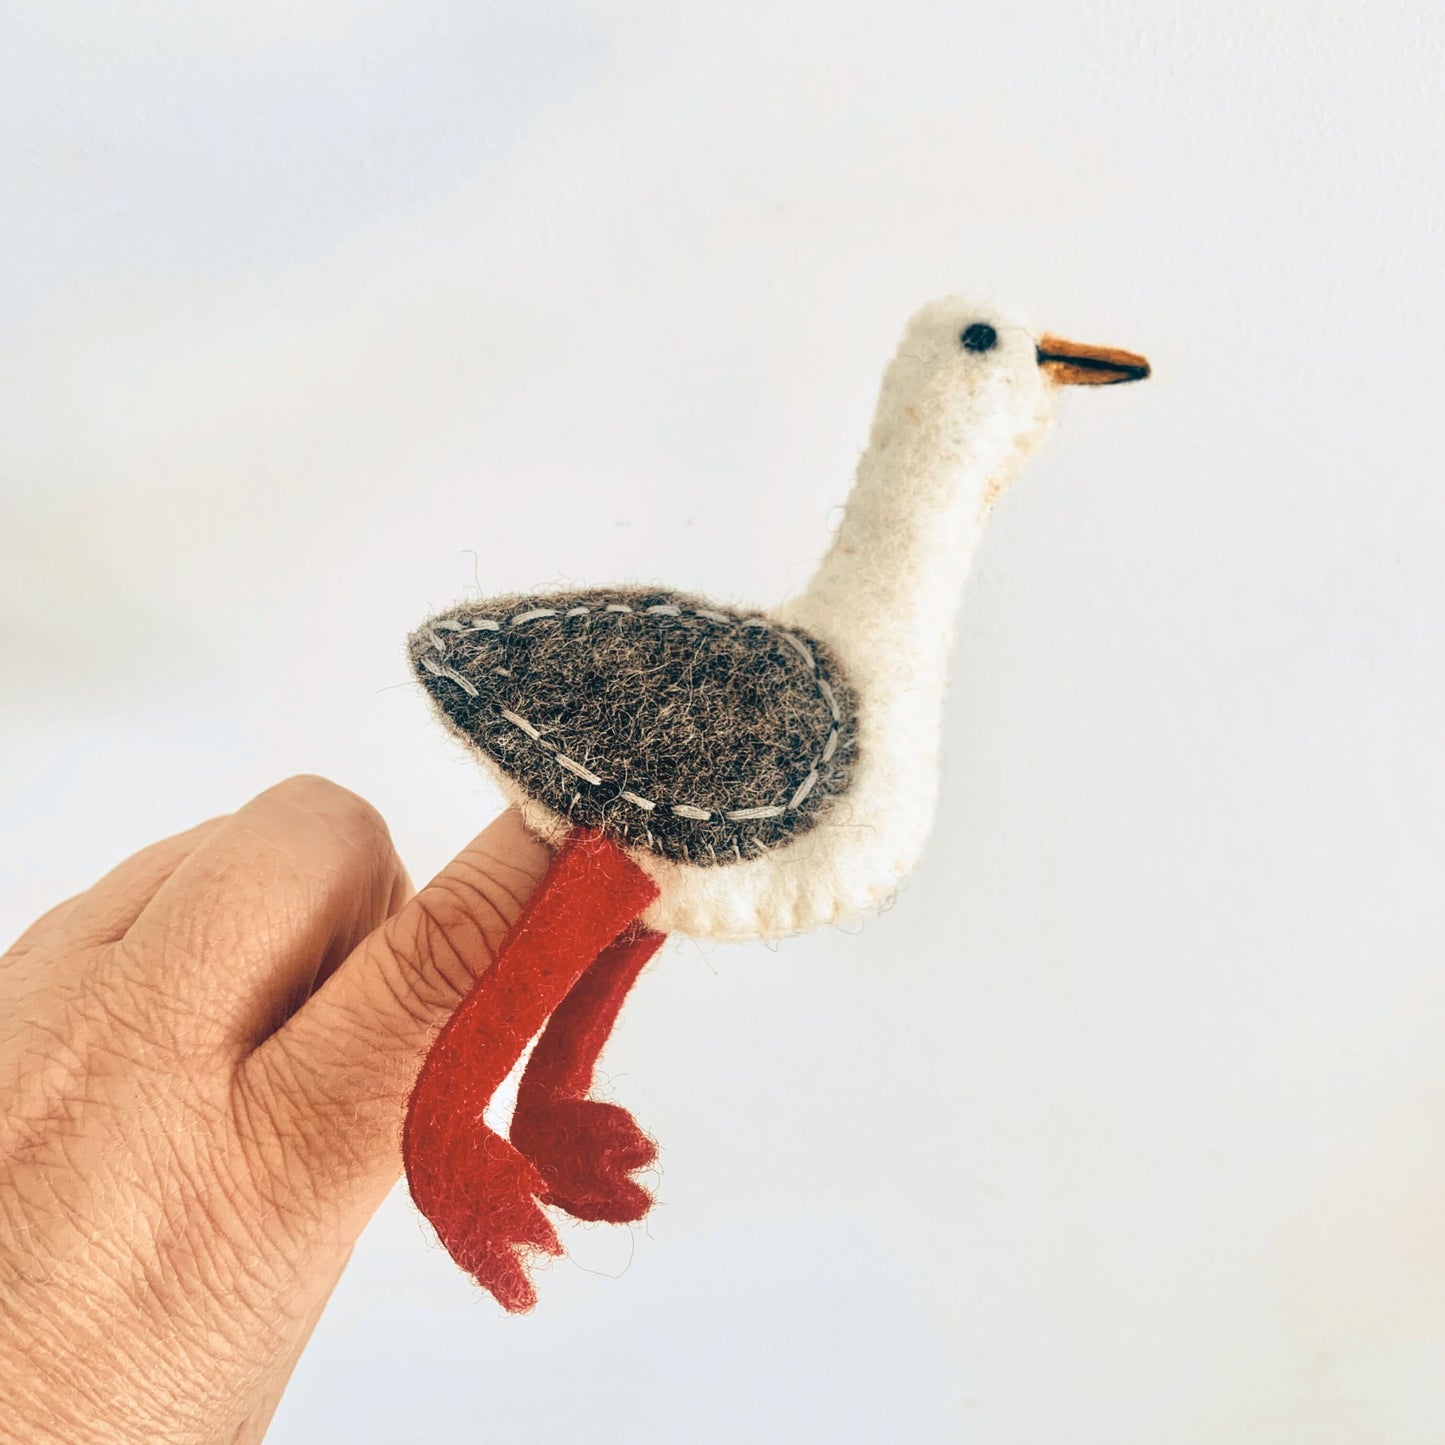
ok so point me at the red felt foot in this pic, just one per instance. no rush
(486, 1193)
(586, 1150)
(479, 1193)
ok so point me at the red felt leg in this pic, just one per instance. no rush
(479, 1193)
(586, 1150)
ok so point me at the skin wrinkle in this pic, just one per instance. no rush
(258, 1117)
(467, 915)
(512, 879)
(256, 1110)
(119, 1287)
(187, 1268)
(161, 1273)
(483, 889)
(430, 952)
(343, 1095)
(150, 1009)
(61, 1096)
(42, 1096)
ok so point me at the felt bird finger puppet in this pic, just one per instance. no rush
(711, 771)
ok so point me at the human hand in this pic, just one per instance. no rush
(204, 1065)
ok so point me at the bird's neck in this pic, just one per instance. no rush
(898, 562)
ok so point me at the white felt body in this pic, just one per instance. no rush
(951, 431)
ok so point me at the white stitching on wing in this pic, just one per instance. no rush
(573, 766)
(441, 670)
(686, 810)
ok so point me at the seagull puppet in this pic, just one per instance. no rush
(708, 771)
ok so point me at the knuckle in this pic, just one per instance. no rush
(361, 821)
(318, 794)
(350, 815)
(303, 790)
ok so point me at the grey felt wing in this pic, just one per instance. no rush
(701, 733)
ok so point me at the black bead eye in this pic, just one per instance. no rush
(979, 337)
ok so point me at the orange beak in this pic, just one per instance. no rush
(1066, 363)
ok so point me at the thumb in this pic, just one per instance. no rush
(337, 1075)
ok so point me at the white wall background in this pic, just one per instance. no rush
(1128, 1122)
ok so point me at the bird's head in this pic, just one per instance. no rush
(970, 379)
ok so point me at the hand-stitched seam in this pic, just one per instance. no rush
(580, 770)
